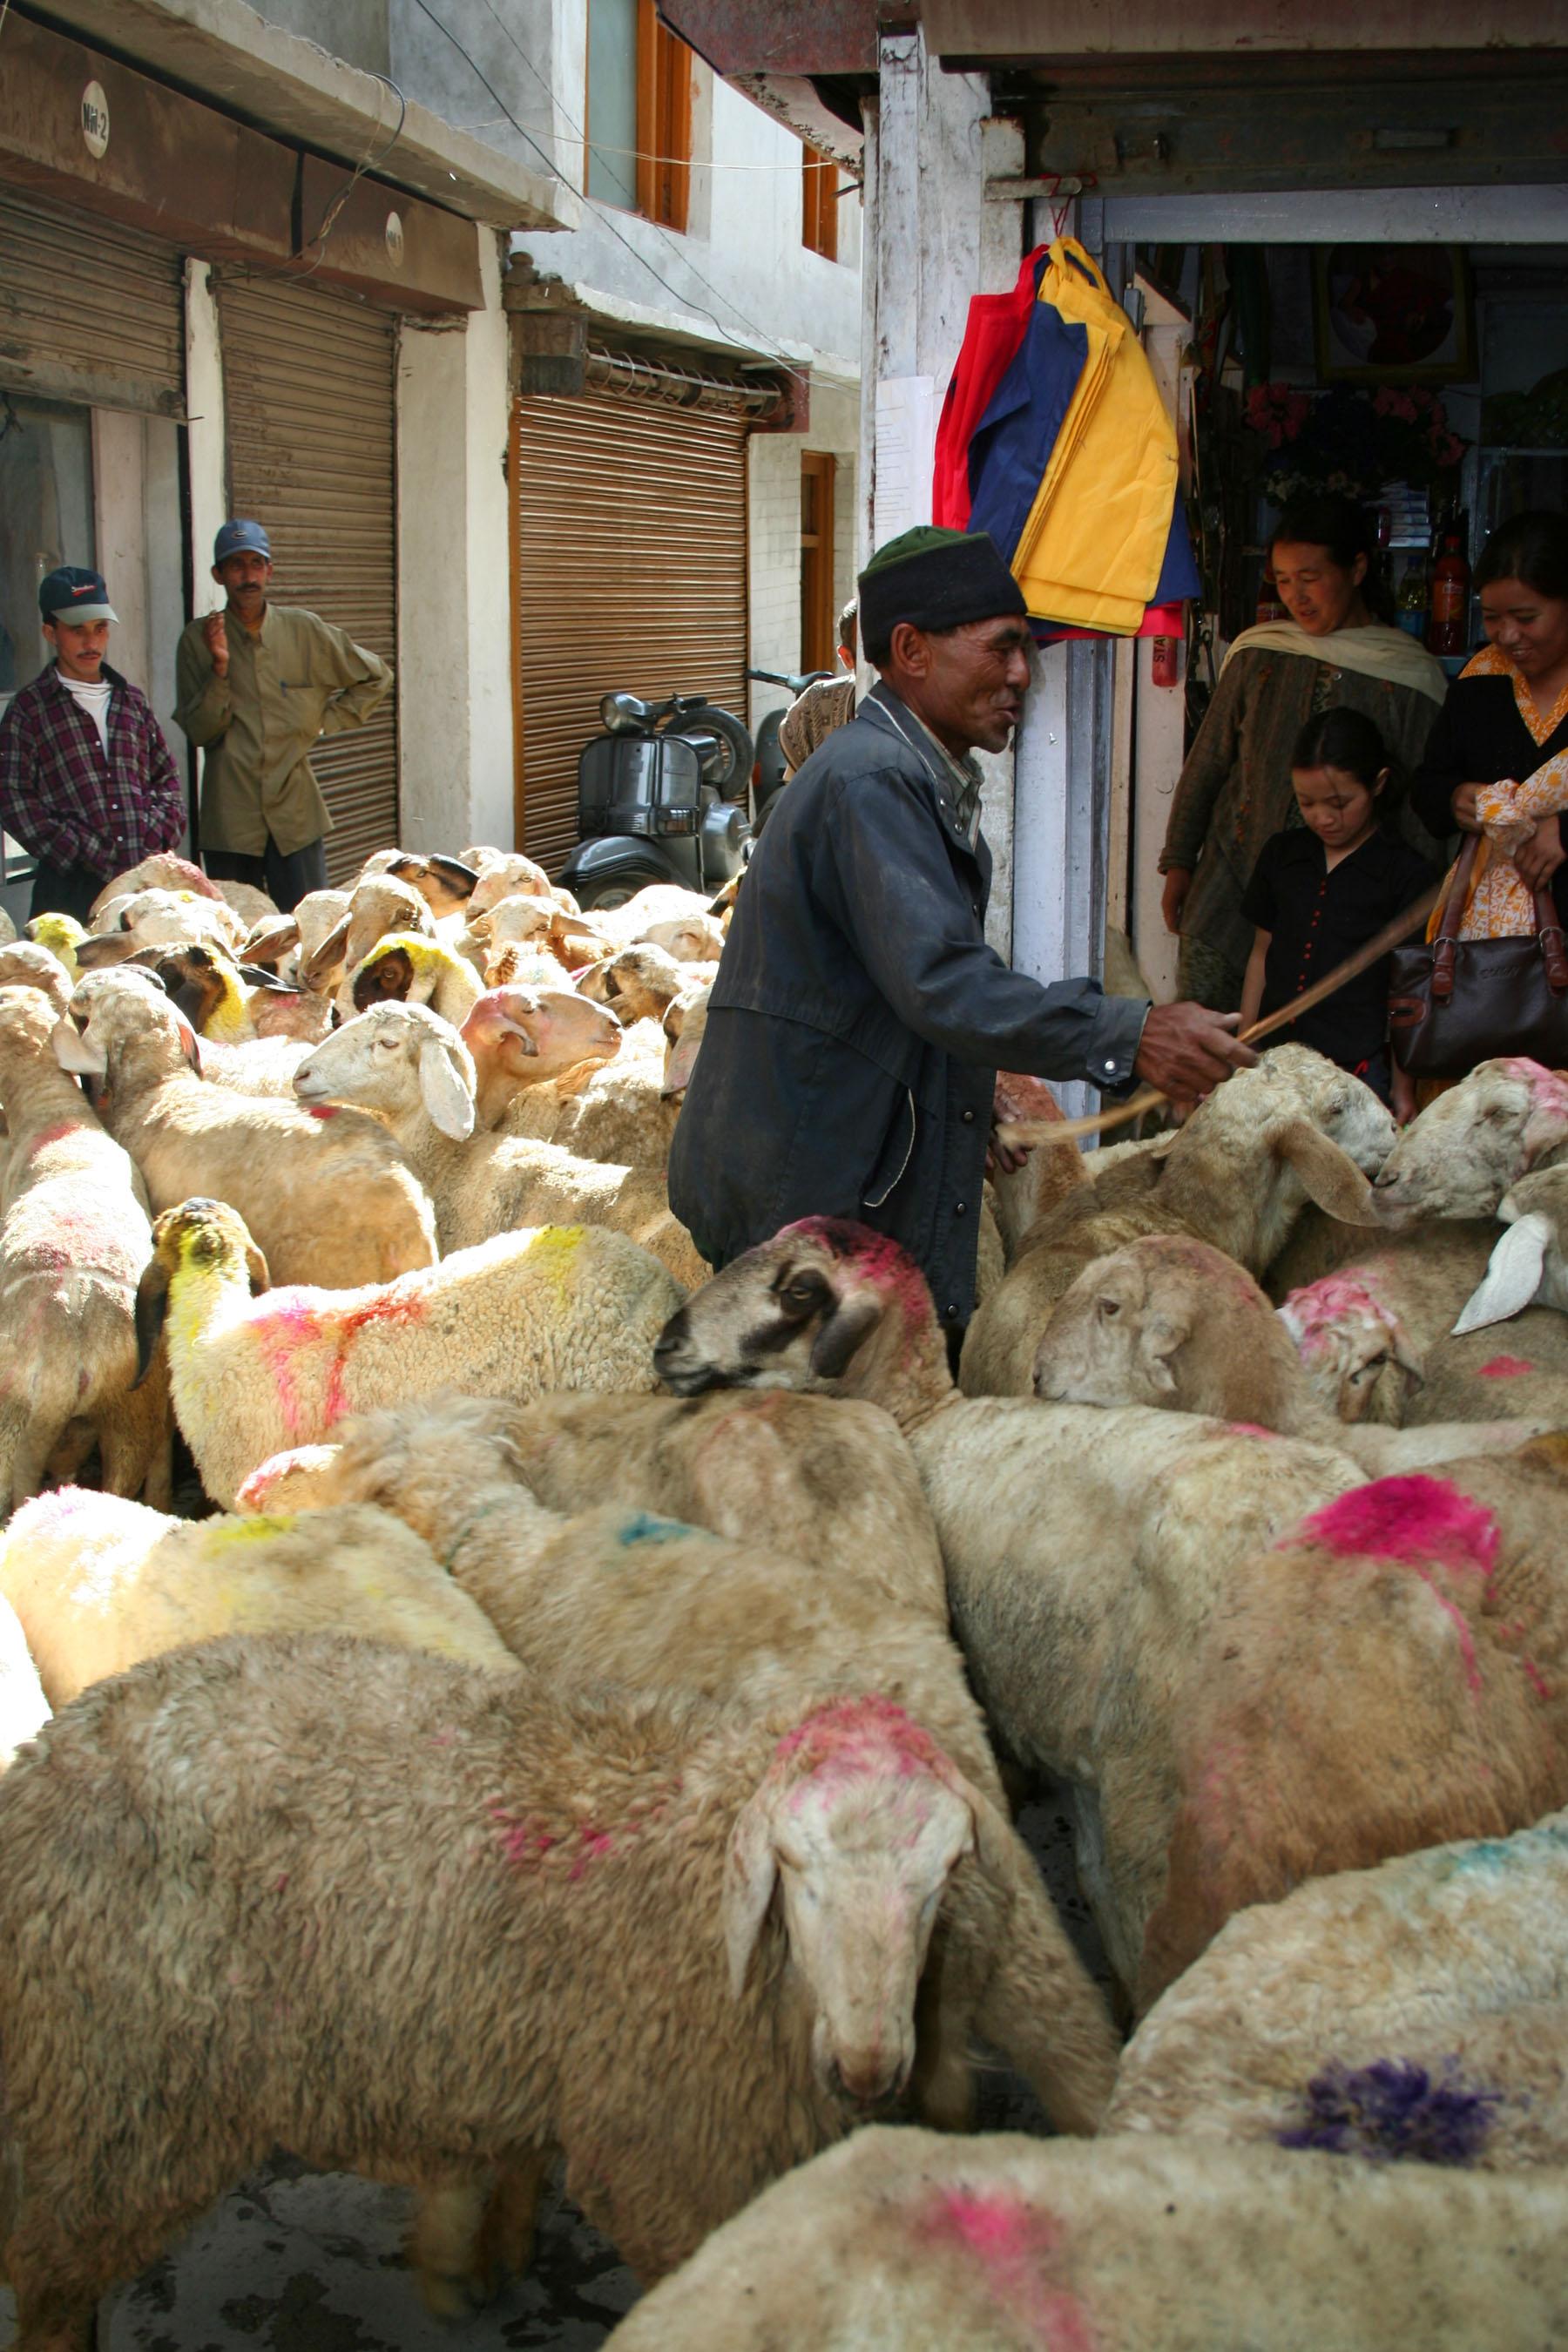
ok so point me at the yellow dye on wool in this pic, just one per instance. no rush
(229, 1022)
(553, 1250)
(220, 1535)
(60, 934)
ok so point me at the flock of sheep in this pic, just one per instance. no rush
(580, 1728)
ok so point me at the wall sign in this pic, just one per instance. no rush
(394, 238)
(95, 118)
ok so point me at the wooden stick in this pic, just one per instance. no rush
(1023, 1134)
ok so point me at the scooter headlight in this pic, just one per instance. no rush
(620, 714)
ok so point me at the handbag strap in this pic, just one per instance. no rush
(1549, 930)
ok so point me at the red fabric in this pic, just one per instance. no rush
(991, 340)
(1159, 621)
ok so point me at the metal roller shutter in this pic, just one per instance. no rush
(309, 393)
(89, 311)
(629, 548)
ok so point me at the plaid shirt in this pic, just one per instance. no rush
(63, 800)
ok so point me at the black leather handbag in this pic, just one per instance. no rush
(1453, 1003)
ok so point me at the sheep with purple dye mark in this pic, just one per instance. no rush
(1416, 2010)
(784, 1881)
(906, 2239)
(1238, 1176)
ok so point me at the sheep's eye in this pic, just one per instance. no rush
(1110, 1308)
(803, 1294)
(1373, 1364)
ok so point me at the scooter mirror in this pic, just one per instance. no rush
(622, 714)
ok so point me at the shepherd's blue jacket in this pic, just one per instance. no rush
(859, 1019)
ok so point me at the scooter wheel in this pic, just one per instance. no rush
(616, 889)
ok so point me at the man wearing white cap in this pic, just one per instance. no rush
(259, 682)
(87, 782)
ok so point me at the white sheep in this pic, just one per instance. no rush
(410, 1068)
(231, 1006)
(1238, 1175)
(74, 1237)
(1526, 1265)
(1418, 2010)
(166, 870)
(249, 1805)
(24, 965)
(24, 1709)
(913, 2241)
(293, 940)
(503, 874)
(1467, 1148)
(621, 1114)
(640, 984)
(331, 1199)
(378, 905)
(150, 918)
(523, 1036)
(405, 968)
(1169, 1321)
(1085, 1551)
(565, 1308)
(98, 1584)
(824, 1479)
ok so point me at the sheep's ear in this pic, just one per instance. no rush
(256, 1268)
(84, 1057)
(1513, 1276)
(448, 1097)
(853, 1320)
(526, 1043)
(104, 948)
(1405, 1354)
(749, 1870)
(188, 1044)
(151, 1307)
(319, 967)
(1330, 1176)
(1161, 1336)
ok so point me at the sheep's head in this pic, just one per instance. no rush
(24, 965)
(61, 934)
(198, 1238)
(1358, 1357)
(444, 883)
(860, 1824)
(533, 1033)
(111, 1014)
(685, 1022)
(203, 982)
(816, 1308)
(1527, 1267)
(388, 1060)
(27, 1014)
(389, 970)
(162, 871)
(506, 875)
(640, 982)
(1467, 1148)
(1169, 1322)
(689, 938)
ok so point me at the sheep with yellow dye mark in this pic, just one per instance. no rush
(528, 1312)
(98, 1584)
(61, 934)
(407, 1066)
(408, 969)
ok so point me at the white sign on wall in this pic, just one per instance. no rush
(906, 440)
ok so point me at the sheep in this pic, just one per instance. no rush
(255, 1801)
(1386, 1675)
(683, 1024)
(74, 1237)
(1526, 1263)
(407, 1066)
(1417, 2009)
(1025, 1194)
(914, 2241)
(159, 918)
(1085, 1552)
(651, 1603)
(503, 874)
(524, 1036)
(24, 965)
(826, 1480)
(377, 906)
(165, 871)
(562, 1307)
(1508, 1117)
(1238, 1175)
(24, 1709)
(405, 968)
(689, 938)
(98, 1584)
(641, 983)
(1365, 1331)
(445, 884)
(61, 934)
(296, 939)
(625, 1114)
(331, 1199)
(538, 927)
(1168, 1321)
(233, 1005)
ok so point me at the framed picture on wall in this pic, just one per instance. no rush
(1393, 314)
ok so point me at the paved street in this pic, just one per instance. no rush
(299, 2262)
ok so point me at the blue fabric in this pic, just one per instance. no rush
(1012, 444)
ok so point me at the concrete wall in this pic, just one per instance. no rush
(454, 667)
(136, 495)
(355, 30)
(772, 524)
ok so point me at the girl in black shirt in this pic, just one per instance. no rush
(1322, 889)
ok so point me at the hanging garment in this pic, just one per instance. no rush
(1094, 545)
(1166, 616)
(1011, 447)
(997, 327)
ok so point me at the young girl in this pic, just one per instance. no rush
(1321, 889)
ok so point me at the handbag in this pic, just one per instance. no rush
(1453, 1003)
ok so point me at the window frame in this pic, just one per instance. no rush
(661, 172)
(818, 202)
(819, 619)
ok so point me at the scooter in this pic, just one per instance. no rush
(768, 769)
(656, 800)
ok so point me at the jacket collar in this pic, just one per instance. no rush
(52, 682)
(961, 777)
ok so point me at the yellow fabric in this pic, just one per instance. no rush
(1092, 551)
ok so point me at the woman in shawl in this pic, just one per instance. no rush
(1235, 788)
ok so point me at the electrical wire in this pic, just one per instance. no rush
(336, 203)
(686, 300)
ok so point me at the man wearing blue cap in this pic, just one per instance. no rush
(87, 782)
(259, 684)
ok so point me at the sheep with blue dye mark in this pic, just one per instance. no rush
(1415, 2011)
(905, 2241)
(378, 1909)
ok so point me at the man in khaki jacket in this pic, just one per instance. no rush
(258, 684)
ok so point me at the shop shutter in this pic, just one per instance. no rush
(630, 553)
(309, 393)
(89, 311)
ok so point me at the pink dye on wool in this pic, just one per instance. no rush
(1320, 1307)
(859, 1735)
(290, 1323)
(1416, 1521)
(1250, 1429)
(392, 1308)
(56, 1134)
(1505, 1368)
(884, 1265)
(524, 1842)
(1013, 2241)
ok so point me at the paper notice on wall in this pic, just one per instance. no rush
(906, 441)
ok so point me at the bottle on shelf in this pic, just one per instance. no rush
(1447, 621)
(1410, 604)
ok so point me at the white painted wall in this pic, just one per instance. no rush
(454, 665)
(206, 441)
(136, 523)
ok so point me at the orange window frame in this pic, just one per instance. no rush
(663, 121)
(819, 202)
(818, 471)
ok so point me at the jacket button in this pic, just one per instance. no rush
(959, 1207)
(969, 1118)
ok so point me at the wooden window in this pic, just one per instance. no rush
(818, 649)
(639, 112)
(819, 202)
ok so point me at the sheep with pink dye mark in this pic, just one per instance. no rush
(1418, 2009)
(1508, 1117)
(258, 1805)
(1008, 2244)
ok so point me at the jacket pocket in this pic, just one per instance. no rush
(897, 1149)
